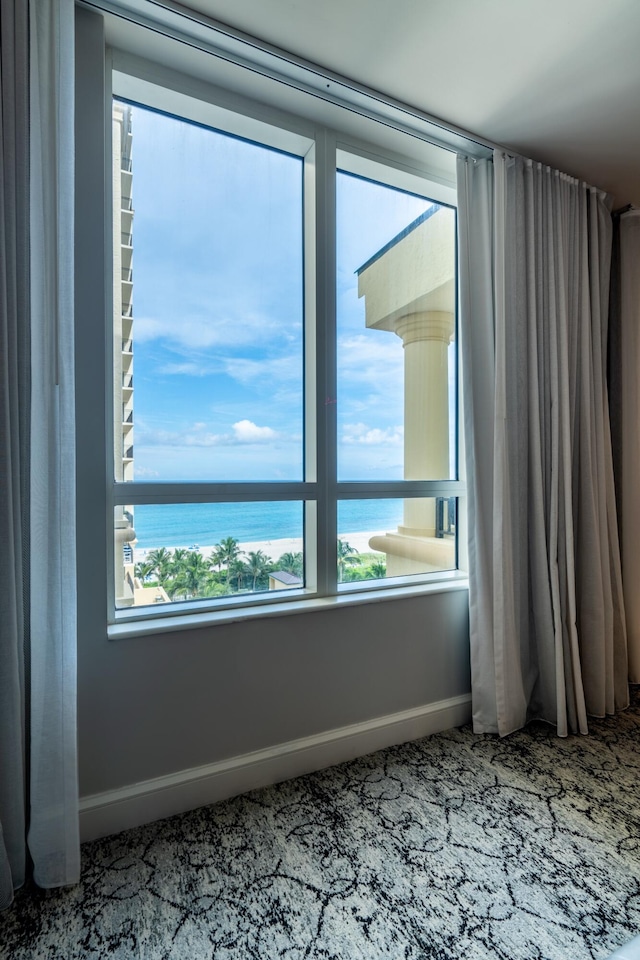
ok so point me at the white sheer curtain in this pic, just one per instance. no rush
(477, 309)
(630, 437)
(547, 619)
(53, 822)
(38, 759)
(14, 435)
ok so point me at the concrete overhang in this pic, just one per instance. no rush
(413, 274)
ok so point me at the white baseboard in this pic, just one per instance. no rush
(110, 812)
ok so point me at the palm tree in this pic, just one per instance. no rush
(143, 570)
(161, 560)
(291, 563)
(237, 571)
(377, 570)
(257, 565)
(347, 556)
(193, 575)
(226, 552)
(180, 556)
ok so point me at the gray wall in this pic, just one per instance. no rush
(154, 705)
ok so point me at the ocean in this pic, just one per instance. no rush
(205, 524)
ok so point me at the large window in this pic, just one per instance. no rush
(284, 364)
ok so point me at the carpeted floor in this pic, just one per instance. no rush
(450, 847)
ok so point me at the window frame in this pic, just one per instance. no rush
(320, 490)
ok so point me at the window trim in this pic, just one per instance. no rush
(192, 619)
(196, 31)
(324, 490)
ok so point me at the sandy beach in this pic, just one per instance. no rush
(273, 548)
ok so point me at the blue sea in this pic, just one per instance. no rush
(205, 524)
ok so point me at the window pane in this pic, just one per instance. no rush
(396, 323)
(184, 551)
(208, 303)
(395, 538)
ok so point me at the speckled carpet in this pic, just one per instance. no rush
(450, 847)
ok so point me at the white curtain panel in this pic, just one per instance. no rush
(547, 617)
(53, 815)
(477, 314)
(630, 440)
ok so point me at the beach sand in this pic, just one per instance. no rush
(274, 548)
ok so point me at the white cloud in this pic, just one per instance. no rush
(360, 433)
(244, 432)
(372, 361)
(268, 369)
(202, 440)
(156, 438)
(205, 330)
(247, 432)
(145, 472)
(187, 369)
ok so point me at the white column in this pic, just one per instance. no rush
(425, 337)
(124, 533)
(409, 289)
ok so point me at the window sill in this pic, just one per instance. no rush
(177, 623)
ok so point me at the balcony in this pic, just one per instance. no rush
(445, 517)
(409, 289)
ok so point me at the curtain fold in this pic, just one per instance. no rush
(629, 454)
(547, 617)
(477, 301)
(53, 815)
(38, 753)
(14, 435)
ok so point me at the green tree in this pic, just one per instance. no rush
(347, 557)
(213, 588)
(143, 570)
(180, 557)
(258, 564)
(377, 570)
(192, 578)
(291, 563)
(225, 554)
(237, 571)
(161, 561)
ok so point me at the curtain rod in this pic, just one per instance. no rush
(175, 21)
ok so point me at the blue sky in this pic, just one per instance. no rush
(218, 307)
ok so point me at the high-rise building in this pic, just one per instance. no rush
(130, 591)
(122, 176)
(123, 292)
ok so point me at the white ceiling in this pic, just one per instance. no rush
(556, 80)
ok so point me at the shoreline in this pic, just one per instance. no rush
(272, 548)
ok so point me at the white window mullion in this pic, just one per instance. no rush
(326, 520)
(197, 492)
